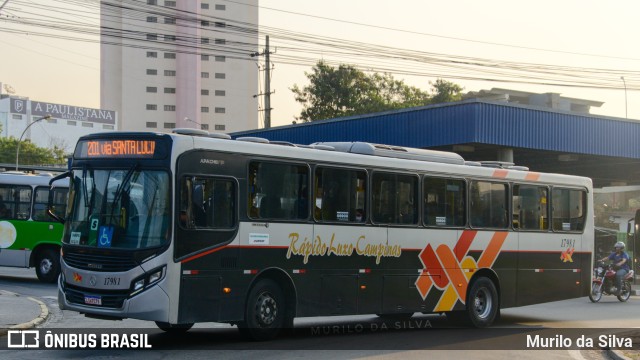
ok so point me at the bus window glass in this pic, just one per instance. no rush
(569, 210)
(15, 202)
(340, 195)
(208, 203)
(41, 201)
(488, 204)
(530, 207)
(119, 208)
(444, 202)
(278, 191)
(395, 199)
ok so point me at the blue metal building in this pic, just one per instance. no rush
(603, 148)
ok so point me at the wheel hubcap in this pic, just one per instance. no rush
(482, 304)
(267, 309)
(45, 266)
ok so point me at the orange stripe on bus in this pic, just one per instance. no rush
(424, 284)
(456, 277)
(434, 267)
(490, 254)
(447, 300)
(500, 173)
(532, 176)
(464, 243)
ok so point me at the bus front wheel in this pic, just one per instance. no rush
(265, 311)
(482, 303)
(47, 265)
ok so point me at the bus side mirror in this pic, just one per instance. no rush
(51, 192)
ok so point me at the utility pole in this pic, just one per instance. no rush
(267, 84)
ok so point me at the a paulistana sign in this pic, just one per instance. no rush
(38, 108)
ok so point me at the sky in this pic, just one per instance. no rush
(581, 34)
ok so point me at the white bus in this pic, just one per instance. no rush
(194, 227)
(28, 236)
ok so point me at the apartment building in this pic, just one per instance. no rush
(180, 64)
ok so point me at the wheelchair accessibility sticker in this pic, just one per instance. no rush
(104, 236)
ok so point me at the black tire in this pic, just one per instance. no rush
(482, 303)
(174, 328)
(625, 292)
(596, 293)
(265, 311)
(47, 265)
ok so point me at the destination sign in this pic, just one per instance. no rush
(120, 148)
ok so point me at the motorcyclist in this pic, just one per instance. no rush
(620, 264)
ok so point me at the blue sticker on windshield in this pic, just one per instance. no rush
(104, 236)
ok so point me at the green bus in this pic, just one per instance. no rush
(28, 236)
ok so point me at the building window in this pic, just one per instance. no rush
(16, 117)
(220, 24)
(170, 125)
(152, 107)
(204, 126)
(152, 72)
(71, 122)
(152, 54)
(204, 109)
(169, 90)
(169, 55)
(221, 93)
(204, 6)
(220, 41)
(152, 124)
(87, 124)
(169, 20)
(220, 127)
(152, 19)
(221, 76)
(152, 89)
(52, 121)
(205, 23)
(221, 58)
(204, 92)
(204, 75)
(152, 2)
(220, 110)
(169, 73)
(221, 7)
(170, 3)
(169, 108)
(204, 57)
(152, 37)
(204, 40)
(169, 38)
(107, 127)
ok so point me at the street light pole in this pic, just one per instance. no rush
(625, 97)
(47, 117)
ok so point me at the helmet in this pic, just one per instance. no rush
(619, 245)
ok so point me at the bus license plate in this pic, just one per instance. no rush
(92, 300)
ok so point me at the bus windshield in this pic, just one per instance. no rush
(123, 208)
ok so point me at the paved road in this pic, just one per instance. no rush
(349, 337)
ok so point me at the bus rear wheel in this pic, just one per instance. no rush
(265, 311)
(47, 265)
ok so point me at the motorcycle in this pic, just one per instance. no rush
(604, 283)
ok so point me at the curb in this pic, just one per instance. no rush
(44, 314)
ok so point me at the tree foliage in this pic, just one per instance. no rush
(30, 154)
(345, 91)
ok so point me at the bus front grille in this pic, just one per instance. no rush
(98, 262)
(112, 300)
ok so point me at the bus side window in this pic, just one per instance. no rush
(207, 203)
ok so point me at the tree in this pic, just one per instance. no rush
(30, 154)
(344, 91)
(445, 91)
